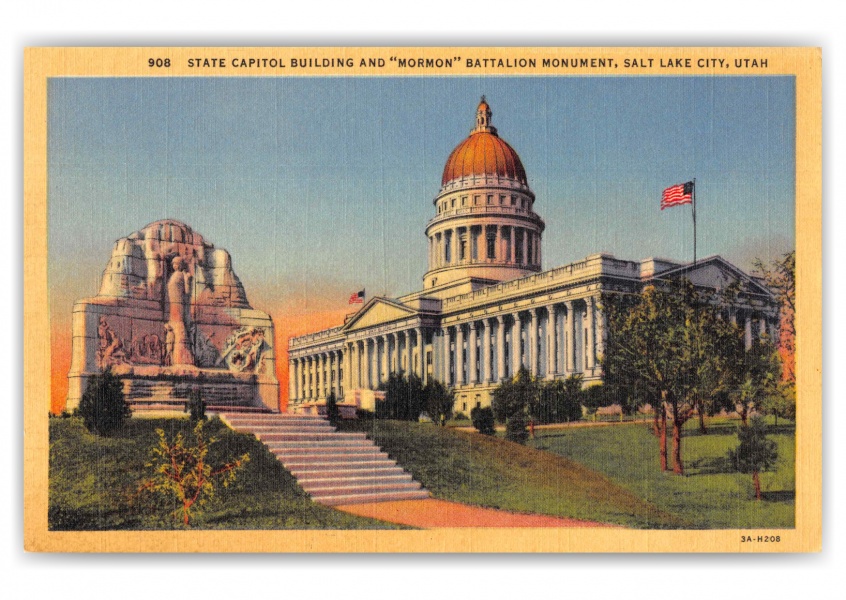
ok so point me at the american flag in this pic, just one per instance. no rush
(357, 297)
(681, 193)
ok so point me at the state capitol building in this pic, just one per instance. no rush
(487, 307)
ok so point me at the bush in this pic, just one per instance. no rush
(755, 453)
(460, 416)
(483, 420)
(404, 398)
(515, 428)
(103, 407)
(438, 401)
(333, 413)
(196, 406)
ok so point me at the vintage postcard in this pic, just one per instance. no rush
(423, 300)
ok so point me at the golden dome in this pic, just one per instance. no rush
(484, 153)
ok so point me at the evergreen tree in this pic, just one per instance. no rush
(483, 420)
(513, 401)
(438, 400)
(755, 453)
(333, 413)
(103, 407)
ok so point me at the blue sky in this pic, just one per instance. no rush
(322, 186)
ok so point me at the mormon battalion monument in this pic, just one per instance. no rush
(171, 316)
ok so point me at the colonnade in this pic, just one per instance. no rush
(363, 363)
(494, 243)
(558, 339)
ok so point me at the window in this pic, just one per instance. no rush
(464, 201)
(452, 205)
(502, 200)
(513, 200)
(476, 200)
(490, 198)
(491, 243)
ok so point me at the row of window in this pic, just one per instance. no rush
(490, 200)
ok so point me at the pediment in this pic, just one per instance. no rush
(717, 273)
(378, 311)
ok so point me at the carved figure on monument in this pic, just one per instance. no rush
(179, 299)
(167, 300)
(170, 340)
(111, 348)
(243, 350)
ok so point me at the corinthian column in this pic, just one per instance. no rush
(368, 368)
(421, 355)
(459, 355)
(516, 342)
(534, 361)
(551, 342)
(500, 347)
(570, 341)
(473, 353)
(590, 351)
(486, 352)
(449, 377)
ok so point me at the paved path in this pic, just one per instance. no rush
(432, 513)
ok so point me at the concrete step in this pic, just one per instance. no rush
(301, 465)
(325, 482)
(365, 488)
(372, 497)
(326, 458)
(346, 471)
(325, 443)
(309, 437)
(363, 448)
(317, 428)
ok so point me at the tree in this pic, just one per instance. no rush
(512, 401)
(760, 379)
(781, 279)
(661, 341)
(403, 398)
(438, 400)
(594, 398)
(483, 420)
(181, 473)
(755, 453)
(196, 406)
(333, 413)
(103, 407)
(560, 400)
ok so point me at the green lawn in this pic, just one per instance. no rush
(485, 471)
(93, 481)
(709, 495)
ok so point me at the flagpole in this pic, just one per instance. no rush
(694, 221)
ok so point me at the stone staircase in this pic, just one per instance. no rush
(332, 467)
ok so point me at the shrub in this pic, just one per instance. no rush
(460, 416)
(183, 477)
(515, 428)
(103, 407)
(755, 453)
(438, 401)
(404, 398)
(333, 413)
(196, 406)
(483, 420)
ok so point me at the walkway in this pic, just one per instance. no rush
(432, 513)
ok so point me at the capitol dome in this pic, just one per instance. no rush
(484, 229)
(483, 153)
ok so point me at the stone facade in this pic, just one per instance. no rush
(171, 315)
(487, 307)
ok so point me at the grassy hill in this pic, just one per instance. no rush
(486, 471)
(93, 483)
(709, 495)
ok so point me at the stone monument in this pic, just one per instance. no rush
(171, 316)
